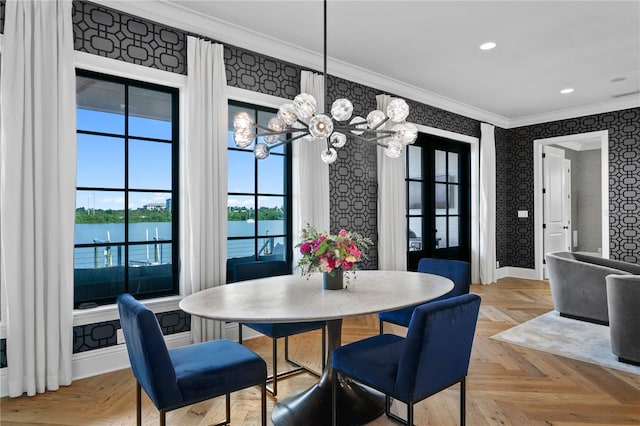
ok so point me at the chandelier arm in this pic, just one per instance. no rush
(381, 123)
(350, 128)
(295, 137)
(280, 132)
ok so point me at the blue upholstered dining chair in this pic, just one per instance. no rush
(456, 270)
(434, 356)
(183, 376)
(263, 269)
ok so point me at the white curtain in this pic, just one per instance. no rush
(205, 198)
(487, 204)
(392, 221)
(37, 193)
(310, 173)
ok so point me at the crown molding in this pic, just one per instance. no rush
(632, 101)
(177, 16)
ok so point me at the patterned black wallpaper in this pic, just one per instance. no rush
(506, 211)
(106, 32)
(103, 334)
(516, 190)
(259, 73)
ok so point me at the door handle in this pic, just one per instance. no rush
(565, 227)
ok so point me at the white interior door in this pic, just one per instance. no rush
(566, 197)
(555, 218)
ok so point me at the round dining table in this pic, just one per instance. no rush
(296, 298)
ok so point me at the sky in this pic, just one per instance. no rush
(101, 165)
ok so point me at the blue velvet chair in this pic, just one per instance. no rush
(254, 270)
(456, 270)
(186, 375)
(434, 356)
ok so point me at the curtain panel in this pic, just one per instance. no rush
(487, 204)
(37, 193)
(205, 198)
(392, 221)
(310, 173)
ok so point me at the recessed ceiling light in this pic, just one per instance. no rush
(618, 79)
(567, 90)
(487, 46)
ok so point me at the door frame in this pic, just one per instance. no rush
(474, 214)
(579, 138)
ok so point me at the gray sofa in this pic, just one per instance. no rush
(623, 299)
(578, 284)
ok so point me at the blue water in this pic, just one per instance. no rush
(156, 252)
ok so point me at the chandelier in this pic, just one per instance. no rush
(300, 120)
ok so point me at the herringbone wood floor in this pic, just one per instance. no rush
(507, 384)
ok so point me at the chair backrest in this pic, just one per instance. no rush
(437, 348)
(255, 270)
(148, 352)
(457, 271)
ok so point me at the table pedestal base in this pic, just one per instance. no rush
(357, 404)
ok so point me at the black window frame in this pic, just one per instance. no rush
(173, 193)
(287, 196)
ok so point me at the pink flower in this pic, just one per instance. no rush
(343, 232)
(305, 247)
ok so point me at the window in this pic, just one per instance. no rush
(259, 212)
(438, 199)
(126, 230)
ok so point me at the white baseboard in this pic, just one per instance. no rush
(512, 271)
(100, 361)
(4, 382)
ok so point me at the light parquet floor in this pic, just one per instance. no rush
(507, 384)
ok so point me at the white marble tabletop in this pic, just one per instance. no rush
(293, 298)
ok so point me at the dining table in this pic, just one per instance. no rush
(298, 298)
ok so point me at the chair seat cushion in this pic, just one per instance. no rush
(210, 369)
(276, 330)
(372, 360)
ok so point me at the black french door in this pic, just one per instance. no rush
(438, 185)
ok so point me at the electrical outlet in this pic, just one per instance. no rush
(119, 336)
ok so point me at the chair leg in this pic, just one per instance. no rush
(410, 413)
(228, 408)
(138, 403)
(387, 405)
(286, 348)
(263, 402)
(463, 401)
(381, 327)
(163, 418)
(240, 332)
(275, 366)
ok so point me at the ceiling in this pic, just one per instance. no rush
(429, 50)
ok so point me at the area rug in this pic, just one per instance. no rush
(567, 337)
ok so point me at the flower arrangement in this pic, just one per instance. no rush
(323, 252)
